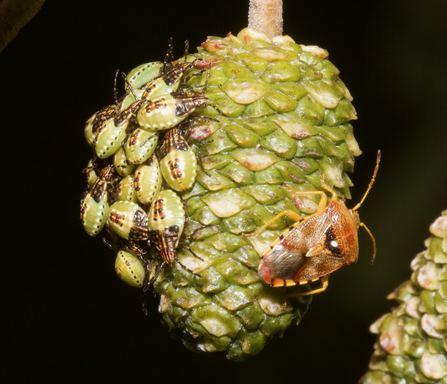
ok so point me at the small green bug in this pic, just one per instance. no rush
(128, 220)
(122, 166)
(90, 173)
(130, 269)
(167, 83)
(126, 189)
(147, 180)
(97, 120)
(95, 206)
(110, 136)
(169, 110)
(144, 73)
(140, 145)
(178, 162)
(166, 221)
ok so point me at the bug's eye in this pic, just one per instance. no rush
(333, 242)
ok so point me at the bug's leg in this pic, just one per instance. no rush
(324, 282)
(199, 160)
(323, 200)
(293, 215)
(149, 284)
(190, 250)
(185, 267)
(373, 240)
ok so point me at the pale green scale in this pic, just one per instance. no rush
(122, 166)
(94, 214)
(140, 145)
(139, 76)
(179, 169)
(109, 138)
(128, 220)
(159, 113)
(147, 181)
(126, 189)
(166, 211)
(130, 269)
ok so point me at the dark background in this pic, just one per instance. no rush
(67, 318)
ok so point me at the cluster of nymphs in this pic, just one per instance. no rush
(141, 159)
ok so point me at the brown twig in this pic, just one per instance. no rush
(266, 16)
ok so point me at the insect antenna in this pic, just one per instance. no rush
(115, 92)
(168, 57)
(129, 86)
(373, 241)
(373, 179)
(186, 50)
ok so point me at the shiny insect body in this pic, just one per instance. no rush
(315, 246)
(126, 189)
(166, 222)
(128, 220)
(140, 76)
(140, 145)
(110, 136)
(169, 110)
(95, 206)
(148, 180)
(130, 269)
(122, 166)
(90, 173)
(167, 83)
(97, 120)
(178, 162)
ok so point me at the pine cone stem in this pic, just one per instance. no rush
(266, 16)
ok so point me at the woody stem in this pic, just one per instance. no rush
(266, 16)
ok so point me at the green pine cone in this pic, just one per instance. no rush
(412, 345)
(280, 115)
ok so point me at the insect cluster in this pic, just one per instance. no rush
(141, 160)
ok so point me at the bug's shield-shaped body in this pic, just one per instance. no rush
(95, 206)
(178, 162)
(312, 248)
(111, 134)
(167, 83)
(166, 222)
(128, 220)
(167, 111)
(98, 120)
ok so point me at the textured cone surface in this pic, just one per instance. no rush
(411, 345)
(280, 115)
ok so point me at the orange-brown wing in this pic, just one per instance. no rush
(319, 266)
(305, 234)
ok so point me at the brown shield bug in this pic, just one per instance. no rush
(314, 246)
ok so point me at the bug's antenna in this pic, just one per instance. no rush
(115, 92)
(186, 50)
(168, 56)
(128, 85)
(370, 183)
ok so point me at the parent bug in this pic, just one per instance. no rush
(314, 246)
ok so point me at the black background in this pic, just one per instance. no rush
(67, 318)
